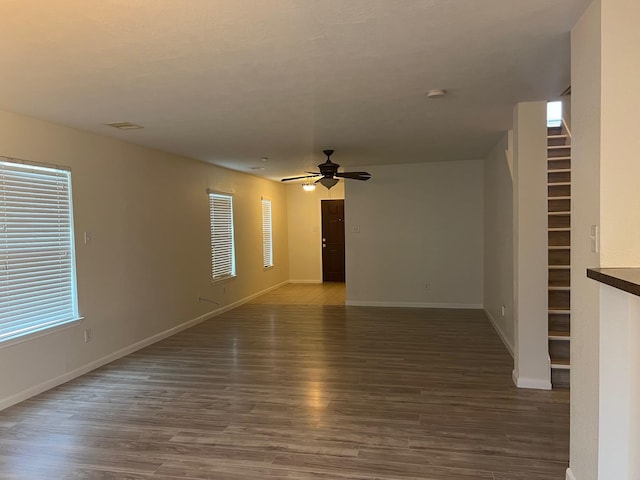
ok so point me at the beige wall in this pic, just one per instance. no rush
(498, 241)
(418, 223)
(619, 431)
(620, 141)
(149, 257)
(566, 110)
(305, 230)
(586, 98)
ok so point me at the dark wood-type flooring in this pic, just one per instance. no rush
(289, 388)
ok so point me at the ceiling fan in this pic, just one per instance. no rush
(329, 172)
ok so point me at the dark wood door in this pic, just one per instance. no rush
(333, 240)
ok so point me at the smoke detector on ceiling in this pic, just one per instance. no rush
(436, 93)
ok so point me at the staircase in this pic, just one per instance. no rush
(559, 244)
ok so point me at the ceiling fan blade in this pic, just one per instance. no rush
(298, 178)
(355, 175)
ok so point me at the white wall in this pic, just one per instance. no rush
(619, 456)
(149, 259)
(530, 260)
(498, 241)
(305, 230)
(586, 97)
(619, 412)
(418, 223)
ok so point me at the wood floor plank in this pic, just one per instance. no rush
(297, 386)
(381, 468)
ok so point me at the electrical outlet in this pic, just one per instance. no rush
(87, 335)
(88, 236)
(502, 310)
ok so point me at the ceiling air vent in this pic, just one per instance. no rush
(123, 125)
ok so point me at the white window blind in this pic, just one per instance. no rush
(267, 241)
(223, 259)
(37, 265)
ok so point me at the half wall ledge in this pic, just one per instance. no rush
(626, 279)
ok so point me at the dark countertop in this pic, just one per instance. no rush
(625, 279)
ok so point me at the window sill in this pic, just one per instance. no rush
(271, 267)
(27, 337)
(223, 279)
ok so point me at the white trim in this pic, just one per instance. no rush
(267, 233)
(531, 383)
(570, 475)
(500, 333)
(222, 279)
(367, 303)
(40, 333)
(52, 166)
(316, 282)
(566, 127)
(256, 295)
(41, 269)
(222, 236)
(218, 191)
(54, 382)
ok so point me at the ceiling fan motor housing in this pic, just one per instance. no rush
(328, 168)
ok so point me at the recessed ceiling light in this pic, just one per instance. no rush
(124, 125)
(436, 93)
(265, 159)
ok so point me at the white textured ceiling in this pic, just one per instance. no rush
(230, 81)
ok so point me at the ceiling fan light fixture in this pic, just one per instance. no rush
(328, 182)
(308, 187)
(328, 172)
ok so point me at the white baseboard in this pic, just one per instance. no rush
(500, 333)
(315, 282)
(54, 382)
(244, 300)
(367, 303)
(531, 383)
(570, 475)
